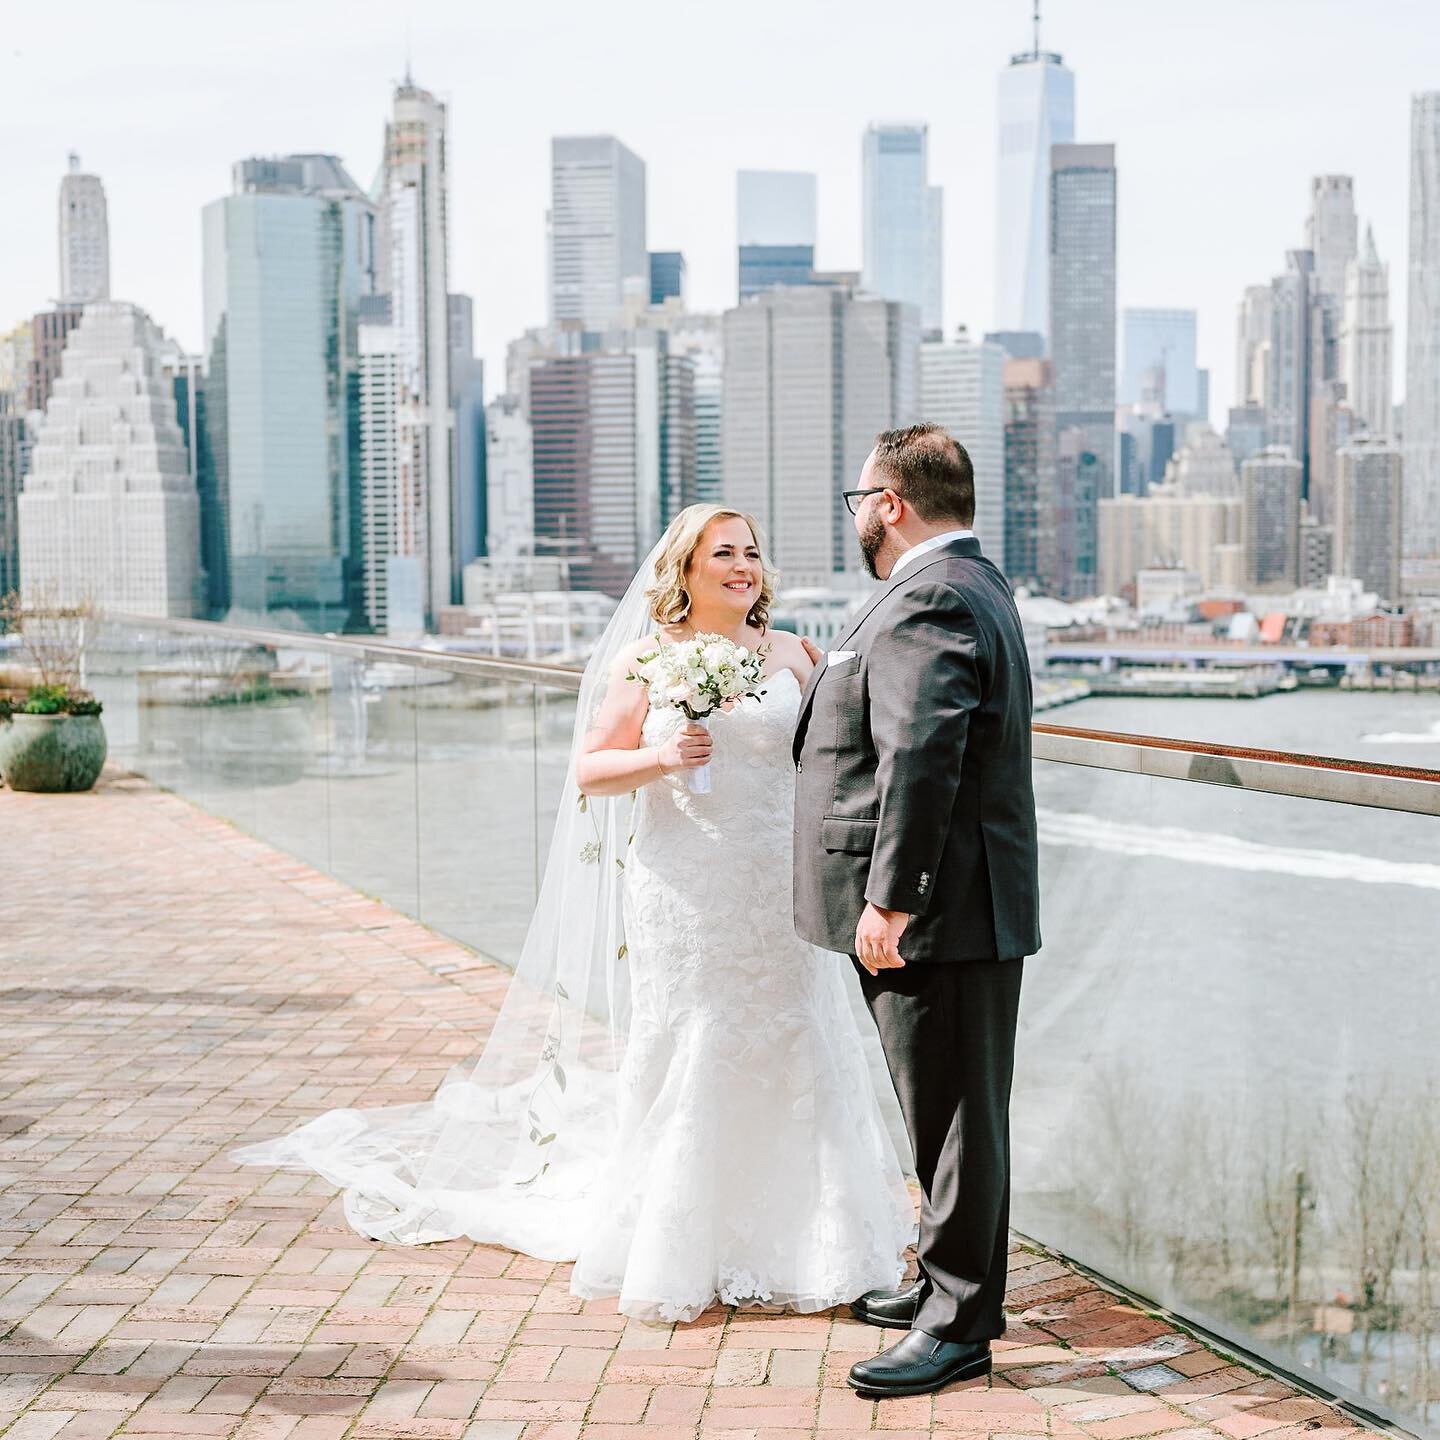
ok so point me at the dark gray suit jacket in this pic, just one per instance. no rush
(913, 786)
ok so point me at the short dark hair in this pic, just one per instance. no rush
(930, 470)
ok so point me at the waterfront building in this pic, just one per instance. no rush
(413, 268)
(1366, 366)
(596, 230)
(902, 221)
(1270, 492)
(1369, 514)
(1422, 337)
(1035, 111)
(1029, 399)
(774, 229)
(810, 376)
(84, 238)
(1082, 348)
(288, 258)
(962, 387)
(109, 514)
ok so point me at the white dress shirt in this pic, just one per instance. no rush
(925, 546)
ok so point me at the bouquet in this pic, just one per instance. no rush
(697, 677)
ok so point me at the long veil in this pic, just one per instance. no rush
(507, 1149)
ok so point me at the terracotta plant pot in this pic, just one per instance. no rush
(52, 752)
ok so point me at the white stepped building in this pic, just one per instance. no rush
(109, 513)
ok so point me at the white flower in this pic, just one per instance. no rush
(714, 656)
(681, 694)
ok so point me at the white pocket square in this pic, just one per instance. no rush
(839, 657)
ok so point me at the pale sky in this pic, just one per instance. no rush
(1221, 112)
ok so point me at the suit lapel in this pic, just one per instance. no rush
(968, 546)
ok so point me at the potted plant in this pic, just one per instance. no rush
(53, 739)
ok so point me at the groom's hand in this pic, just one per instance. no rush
(877, 938)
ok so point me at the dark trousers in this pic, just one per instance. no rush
(948, 1032)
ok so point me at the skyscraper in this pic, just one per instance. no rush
(774, 229)
(509, 480)
(1331, 232)
(667, 276)
(84, 238)
(1035, 111)
(467, 401)
(12, 443)
(1160, 344)
(1422, 339)
(109, 513)
(1366, 367)
(1369, 514)
(1029, 472)
(1289, 373)
(1270, 519)
(1082, 345)
(413, 268)
(390, 504)
(1252, 347)
(700, 339)
(1165, 530)
(612, 454)
(811, 375)
(49, 333)
(902, 221)
(185, 374)
(287, 258)
(962, 387)
(597, 229)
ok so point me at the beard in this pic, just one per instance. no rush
(872, 538)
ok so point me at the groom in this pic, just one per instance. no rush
(915, 853)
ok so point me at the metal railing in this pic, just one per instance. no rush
(1274, 772)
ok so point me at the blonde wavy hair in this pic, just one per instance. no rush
(668, 597)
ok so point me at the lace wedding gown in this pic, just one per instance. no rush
(752, 1163)
(735, 1150)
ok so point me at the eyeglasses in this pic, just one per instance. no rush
(854, 498)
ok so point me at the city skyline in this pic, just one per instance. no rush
(166, 148)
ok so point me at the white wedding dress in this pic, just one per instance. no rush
(752, 1163)
(676, 1097)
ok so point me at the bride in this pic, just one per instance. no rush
(674, 1095)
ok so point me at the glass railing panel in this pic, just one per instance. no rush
(1228, 1084)
(475, 743)
(554, 784)
(373, 789)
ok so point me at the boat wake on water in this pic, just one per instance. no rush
(1199, 847)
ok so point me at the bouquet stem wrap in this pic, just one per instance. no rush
(698, 779)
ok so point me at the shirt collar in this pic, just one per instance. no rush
(926, 546)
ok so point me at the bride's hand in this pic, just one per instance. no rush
(686, 749)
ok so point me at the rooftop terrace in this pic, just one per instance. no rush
(173, 986)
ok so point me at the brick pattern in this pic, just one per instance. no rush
(172, 987)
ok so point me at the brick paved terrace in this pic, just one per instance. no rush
(171, 987)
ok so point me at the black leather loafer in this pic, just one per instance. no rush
(890, 1309)
(918, 1363)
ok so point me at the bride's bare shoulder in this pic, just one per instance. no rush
(786, 652)
(625, 658)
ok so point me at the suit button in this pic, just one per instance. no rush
(799, 768)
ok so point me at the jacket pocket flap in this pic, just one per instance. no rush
(855, 837)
